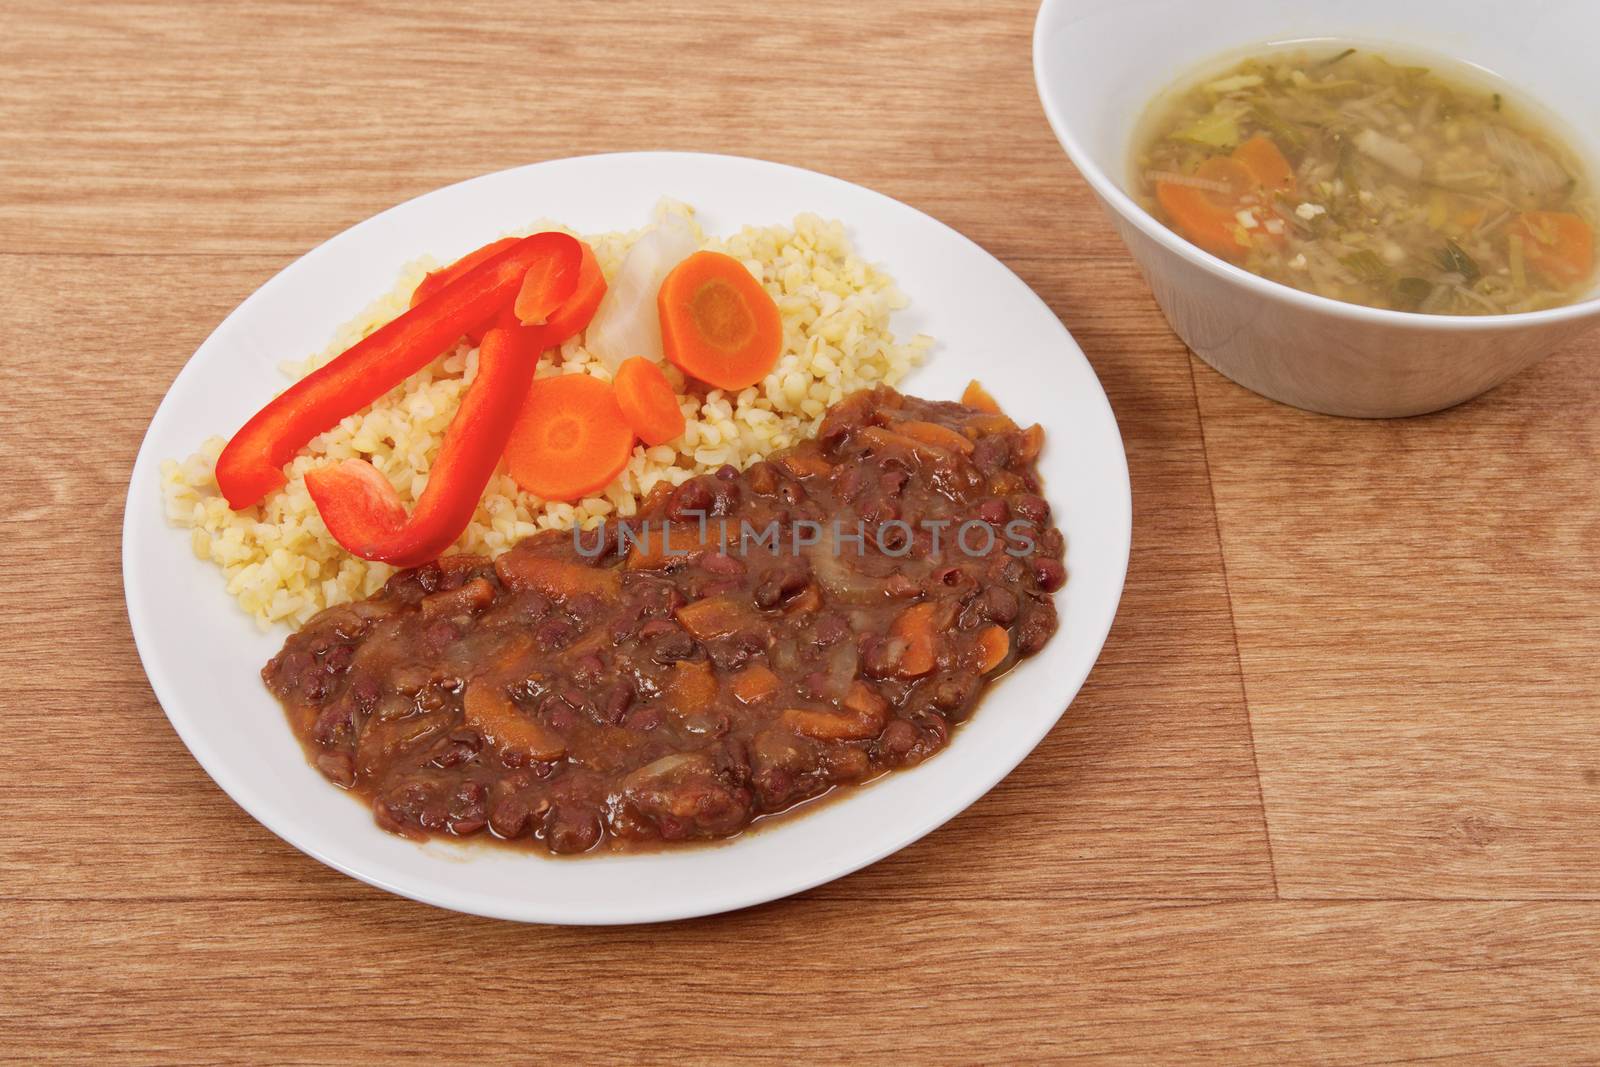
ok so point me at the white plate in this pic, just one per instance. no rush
(203, 655)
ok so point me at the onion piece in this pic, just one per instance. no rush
(1527, 163)
(1398, 157)
(627, 322)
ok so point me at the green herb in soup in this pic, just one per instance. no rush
(1374, 182)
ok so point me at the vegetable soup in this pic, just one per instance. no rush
(1366, 179)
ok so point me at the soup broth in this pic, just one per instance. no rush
(1366, 179)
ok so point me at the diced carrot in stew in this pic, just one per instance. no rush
(558, 579)
(467, 599)
(990, 423)
(863, 714)
(976, 396)
(917, 628)
(487, 709)
(715, 616)
(754, 684)
(805, 463)
(934, 434)
(891, 439)
(692, 687)
(993, 644)
(829, 725)
(1032, 443)
(661, 545)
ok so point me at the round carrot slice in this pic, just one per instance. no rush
(648, 402)
(570, 439)
(717, 322)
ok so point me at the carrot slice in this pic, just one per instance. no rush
(1557, 244)
(1032, 443)
(864, 714)
(931, 433)
(916, 627)
(804, 602)
(648, 402)
(570, 439)
(560, 580)
(1266, 164)
(573, 316)
(993, 644)
(977, 397)
(659, 546)
(805, 464)
(691, 687)
(753, 684)
(1206, 217)
(487, 709)
(717, 323)
(716, 616)
(438, 279)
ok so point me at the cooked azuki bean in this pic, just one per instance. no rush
(510, 817)
(994, 512)
(672, 645)
(781, 581)
(1034, 630)
(691, 500)
(1049, 573)
(1033, 508)
(999, 604)
(571, 827)
(557, 700)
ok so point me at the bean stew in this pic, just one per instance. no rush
(748, 642)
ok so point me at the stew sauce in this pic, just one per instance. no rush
(748, 642)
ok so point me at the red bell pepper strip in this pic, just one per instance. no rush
(438, 279)
(364, 513)
(571, 317)
(566, 321)
(251, 465)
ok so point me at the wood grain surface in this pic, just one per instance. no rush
(1331, 794)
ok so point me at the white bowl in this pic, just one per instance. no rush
(1098, 63)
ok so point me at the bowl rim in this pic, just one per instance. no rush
(1113, 195)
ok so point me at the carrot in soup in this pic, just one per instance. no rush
(1557, 244)
(1266, 164)
(1209, 217)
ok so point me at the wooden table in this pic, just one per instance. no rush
(1332, 792)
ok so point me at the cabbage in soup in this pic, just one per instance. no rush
(1354, 177)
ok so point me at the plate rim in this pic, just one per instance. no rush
(145, 471)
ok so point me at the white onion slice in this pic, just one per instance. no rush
(627, 323)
